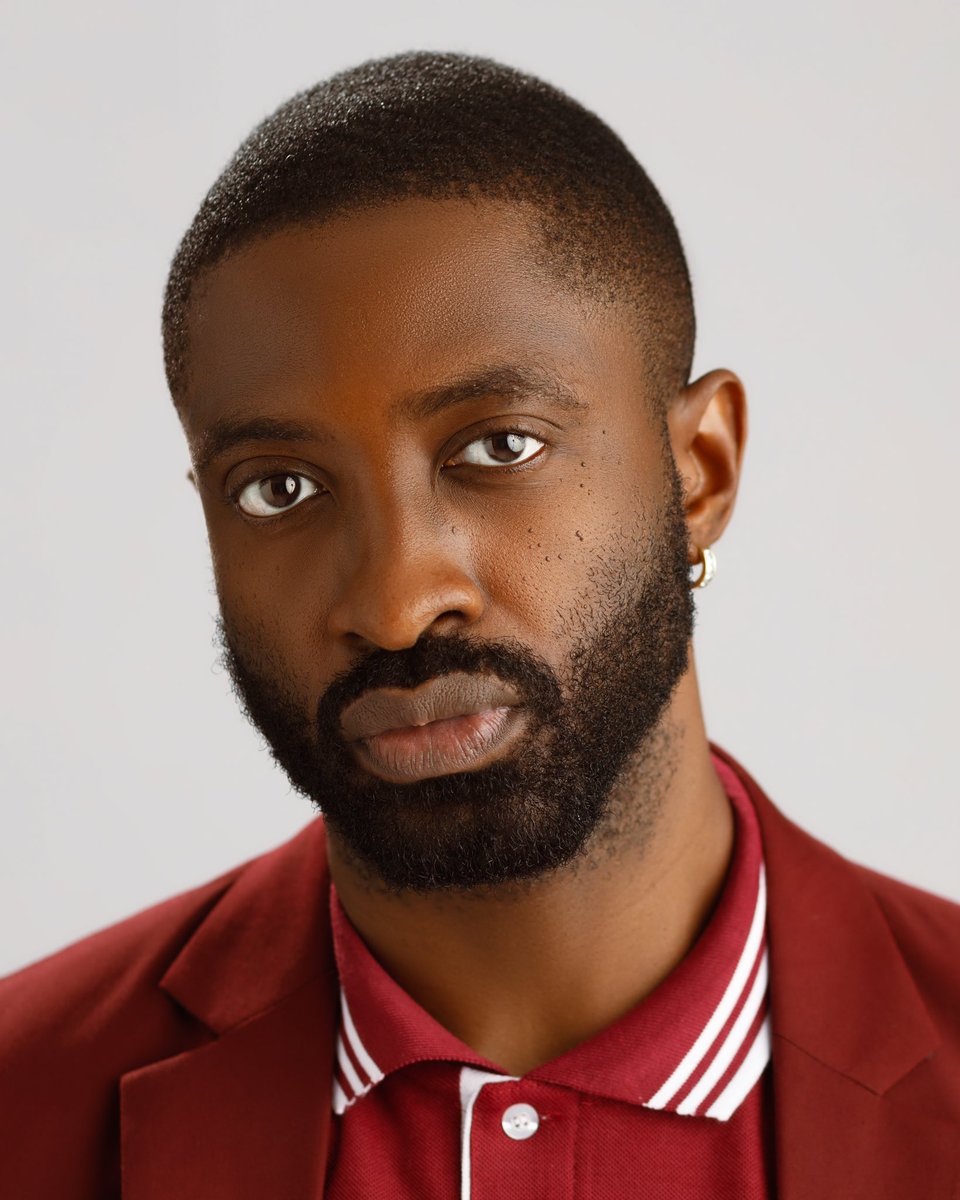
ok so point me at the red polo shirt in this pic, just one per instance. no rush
(672, 1100)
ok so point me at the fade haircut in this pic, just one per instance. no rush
(440, 126)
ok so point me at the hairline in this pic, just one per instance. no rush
(582, 286)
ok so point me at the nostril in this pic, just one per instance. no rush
(452, 617)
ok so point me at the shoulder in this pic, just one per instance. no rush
(926, 929)
(105, 998)
(72, 1024)
(811, 879)
(120, 967)
(847, 941)
(102, 974)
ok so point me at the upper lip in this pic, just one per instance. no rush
(455, 695)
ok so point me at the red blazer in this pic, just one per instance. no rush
(186, 1054)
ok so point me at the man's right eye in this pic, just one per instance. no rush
(274, 494)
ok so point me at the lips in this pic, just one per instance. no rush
(455, 695)
(456, 722)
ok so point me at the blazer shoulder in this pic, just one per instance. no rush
(926, 928)
(104, 967)
(70, 1026)
(75, 1023)
(849, 943)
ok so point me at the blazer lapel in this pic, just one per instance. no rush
(848, 1026)
(837, 1140)
(246, 1115)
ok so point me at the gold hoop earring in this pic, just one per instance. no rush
(708, 571)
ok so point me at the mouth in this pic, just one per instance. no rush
(455, 723)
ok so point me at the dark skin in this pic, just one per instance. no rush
(355, 332)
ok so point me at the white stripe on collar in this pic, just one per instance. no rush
(354, 1061)
(357, 1072)
(705, 1047)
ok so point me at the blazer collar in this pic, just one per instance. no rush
(848, 1025)
(247, 1114)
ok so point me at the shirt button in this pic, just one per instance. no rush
(520, 1121)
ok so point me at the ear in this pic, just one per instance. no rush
(708, 432)
(193, 479)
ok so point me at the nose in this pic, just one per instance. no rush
(403, 579)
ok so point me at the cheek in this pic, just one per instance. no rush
(530, 577)
(275, 611)
(557, 567)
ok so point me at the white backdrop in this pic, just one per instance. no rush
(809, 155)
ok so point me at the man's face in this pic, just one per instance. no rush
(447, 534)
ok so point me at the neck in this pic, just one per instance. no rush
(524, 974)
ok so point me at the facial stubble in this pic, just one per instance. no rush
(538, 809)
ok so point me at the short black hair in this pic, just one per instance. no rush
(435, 126)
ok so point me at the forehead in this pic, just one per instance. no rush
(379, 303)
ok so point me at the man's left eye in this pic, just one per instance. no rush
(501, 449)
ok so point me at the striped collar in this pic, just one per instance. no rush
(695, 1046)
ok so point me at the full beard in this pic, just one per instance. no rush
(537, 809)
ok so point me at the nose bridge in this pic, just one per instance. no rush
(406, 567)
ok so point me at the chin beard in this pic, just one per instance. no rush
(538, 808)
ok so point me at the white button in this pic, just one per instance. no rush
(520, 1121)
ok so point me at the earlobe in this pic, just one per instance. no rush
(708, 430)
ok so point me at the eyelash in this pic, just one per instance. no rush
(505, 468)
(237, 489)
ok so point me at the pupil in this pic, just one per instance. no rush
(504, 446)
(280, 490)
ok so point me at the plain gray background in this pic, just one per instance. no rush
(809, 155)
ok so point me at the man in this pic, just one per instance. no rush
(430, 338)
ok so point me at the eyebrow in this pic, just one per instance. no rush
(521, 384)
(518, 384)
(227, 432)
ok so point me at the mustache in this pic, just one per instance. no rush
(438, 655)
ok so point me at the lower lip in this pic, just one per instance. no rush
(441, 747)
